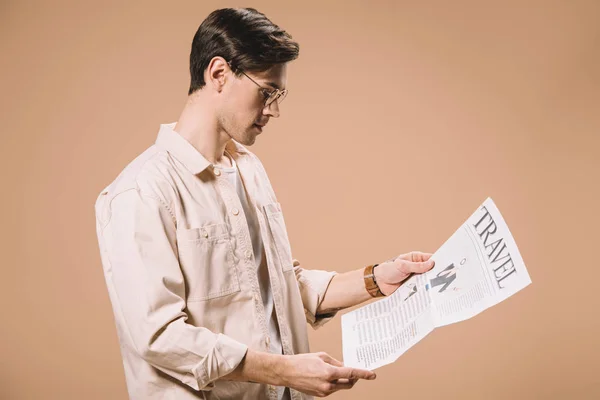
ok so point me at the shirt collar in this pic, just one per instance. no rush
(183, 150)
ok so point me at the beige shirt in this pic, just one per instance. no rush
(262, 268)
(181, 274)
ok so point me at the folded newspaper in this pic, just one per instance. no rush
(478, 267)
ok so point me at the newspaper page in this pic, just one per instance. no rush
(476, 268)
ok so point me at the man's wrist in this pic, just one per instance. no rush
(377, 273)
(260, 367)
(370, 282)
(280, 368)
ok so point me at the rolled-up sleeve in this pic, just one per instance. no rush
(137, 238)
(313, 284)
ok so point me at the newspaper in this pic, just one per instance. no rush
(478, 267)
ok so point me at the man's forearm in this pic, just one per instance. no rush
(345, 290)
(259, 367)
(348, 289)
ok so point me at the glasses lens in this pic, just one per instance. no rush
(277, 95)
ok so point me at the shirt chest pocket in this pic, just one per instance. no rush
(279, 235)
(207, 262)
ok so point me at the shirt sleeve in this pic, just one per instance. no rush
(313, 284)
(147, 290)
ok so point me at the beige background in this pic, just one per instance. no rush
(402, 118)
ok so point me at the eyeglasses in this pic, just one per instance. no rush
(269, 95)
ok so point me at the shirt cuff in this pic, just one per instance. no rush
(313, 284)
(227, 354)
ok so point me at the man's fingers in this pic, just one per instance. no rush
(344, 380)
(422, 256)
(419, 256)
(343, 384)
(417, 267)
(414, 256)
(353, 373)
(330, 360)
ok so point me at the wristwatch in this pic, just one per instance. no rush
(370, 283)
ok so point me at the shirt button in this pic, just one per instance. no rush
(248, 254)
(256, 297)
(217, 172)
(235, 211)
(204, 234)
(268, 341)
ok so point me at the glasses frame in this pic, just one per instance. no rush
(270, 95)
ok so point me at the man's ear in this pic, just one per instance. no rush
(217, 73)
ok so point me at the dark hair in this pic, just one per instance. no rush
(244, 37)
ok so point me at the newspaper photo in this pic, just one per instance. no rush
(476, 268)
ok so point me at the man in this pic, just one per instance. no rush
(208, 301)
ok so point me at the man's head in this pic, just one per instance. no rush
(240, 57)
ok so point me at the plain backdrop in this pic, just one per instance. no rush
(402, 117)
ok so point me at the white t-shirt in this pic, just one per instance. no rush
(261, 262)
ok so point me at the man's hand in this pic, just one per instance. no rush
(390, 274)
(319, 374)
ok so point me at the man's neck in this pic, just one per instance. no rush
(197, 124)
(225, 161)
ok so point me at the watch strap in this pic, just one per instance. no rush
(371, 283)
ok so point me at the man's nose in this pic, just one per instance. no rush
(272, 109)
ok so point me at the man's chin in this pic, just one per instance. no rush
(247, 140)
